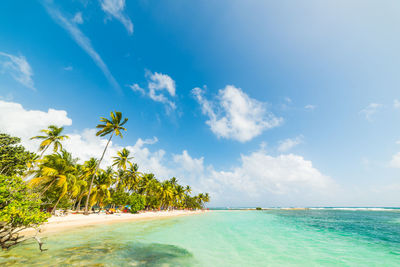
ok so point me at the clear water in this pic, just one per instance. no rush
(227, 238)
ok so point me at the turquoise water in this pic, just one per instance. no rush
(227, 238)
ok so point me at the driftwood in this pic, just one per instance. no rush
(10, 236)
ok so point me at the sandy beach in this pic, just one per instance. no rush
(71, 221)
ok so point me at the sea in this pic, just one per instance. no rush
(227, 237)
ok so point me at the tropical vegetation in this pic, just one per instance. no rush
(54, 179)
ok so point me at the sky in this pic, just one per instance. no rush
(260, 103)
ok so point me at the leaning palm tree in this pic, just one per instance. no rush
(57, 171)
(113, 126)
(53, 137)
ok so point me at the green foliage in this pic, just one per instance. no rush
(13, 157)
(136, 203)
(19, 209)
(119, 197)
(258, 208)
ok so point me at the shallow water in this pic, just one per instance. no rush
(227, 238)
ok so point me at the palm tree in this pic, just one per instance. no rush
(86, 172)
(166, 193)
(103, 182)
(56, 169)
(134, 178)
(53, 136)
(179, 195)
(113, 126)
(188, 190)
(122, 159)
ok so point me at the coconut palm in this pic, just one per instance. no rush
(134, 178)
(188, 190)
(113, 126)
(179, 195)
(56, 170)
(103, 182)
(53, 137)
(123, 159)
(166, 194)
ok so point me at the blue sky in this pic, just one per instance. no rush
(296, 102)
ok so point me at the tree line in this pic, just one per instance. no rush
(35, 185)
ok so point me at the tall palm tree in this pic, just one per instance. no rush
(123, 159)
(53, 137)
(113, 126)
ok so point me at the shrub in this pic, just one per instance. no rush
(19, 209)
(136, 203)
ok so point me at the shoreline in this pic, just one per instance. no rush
(76, 221)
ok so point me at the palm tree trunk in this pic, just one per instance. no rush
(44, 150)
(34, 165)
(78, 206)
(55, 206)
(47, 188)
(94, 174)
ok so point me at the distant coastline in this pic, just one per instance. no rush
(311, 208)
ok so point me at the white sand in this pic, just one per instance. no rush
(71, 221)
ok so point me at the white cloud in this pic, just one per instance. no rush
(81, 39)
(161, 88)
(289, 143)
(188, 163)
(23, 123)
(115, 8)
(258, 176)
(396, 104)
(68, 68)
(234, 115)
(78, 18)
(370, 110)
(18, 67)
(310, 107)
(261, 174)
(159, 82)
(395, 161)
(136, 88)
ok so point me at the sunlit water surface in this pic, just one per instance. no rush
(227, 238)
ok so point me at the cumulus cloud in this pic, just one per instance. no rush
(18, 121)
(18, 67)
(160, 88)
(78, 18)
(234, 115)
(81, 39)
(258, 175)
(370, 110)
(289, 143)
(188, 163)
(115, 8)
(261, 174)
